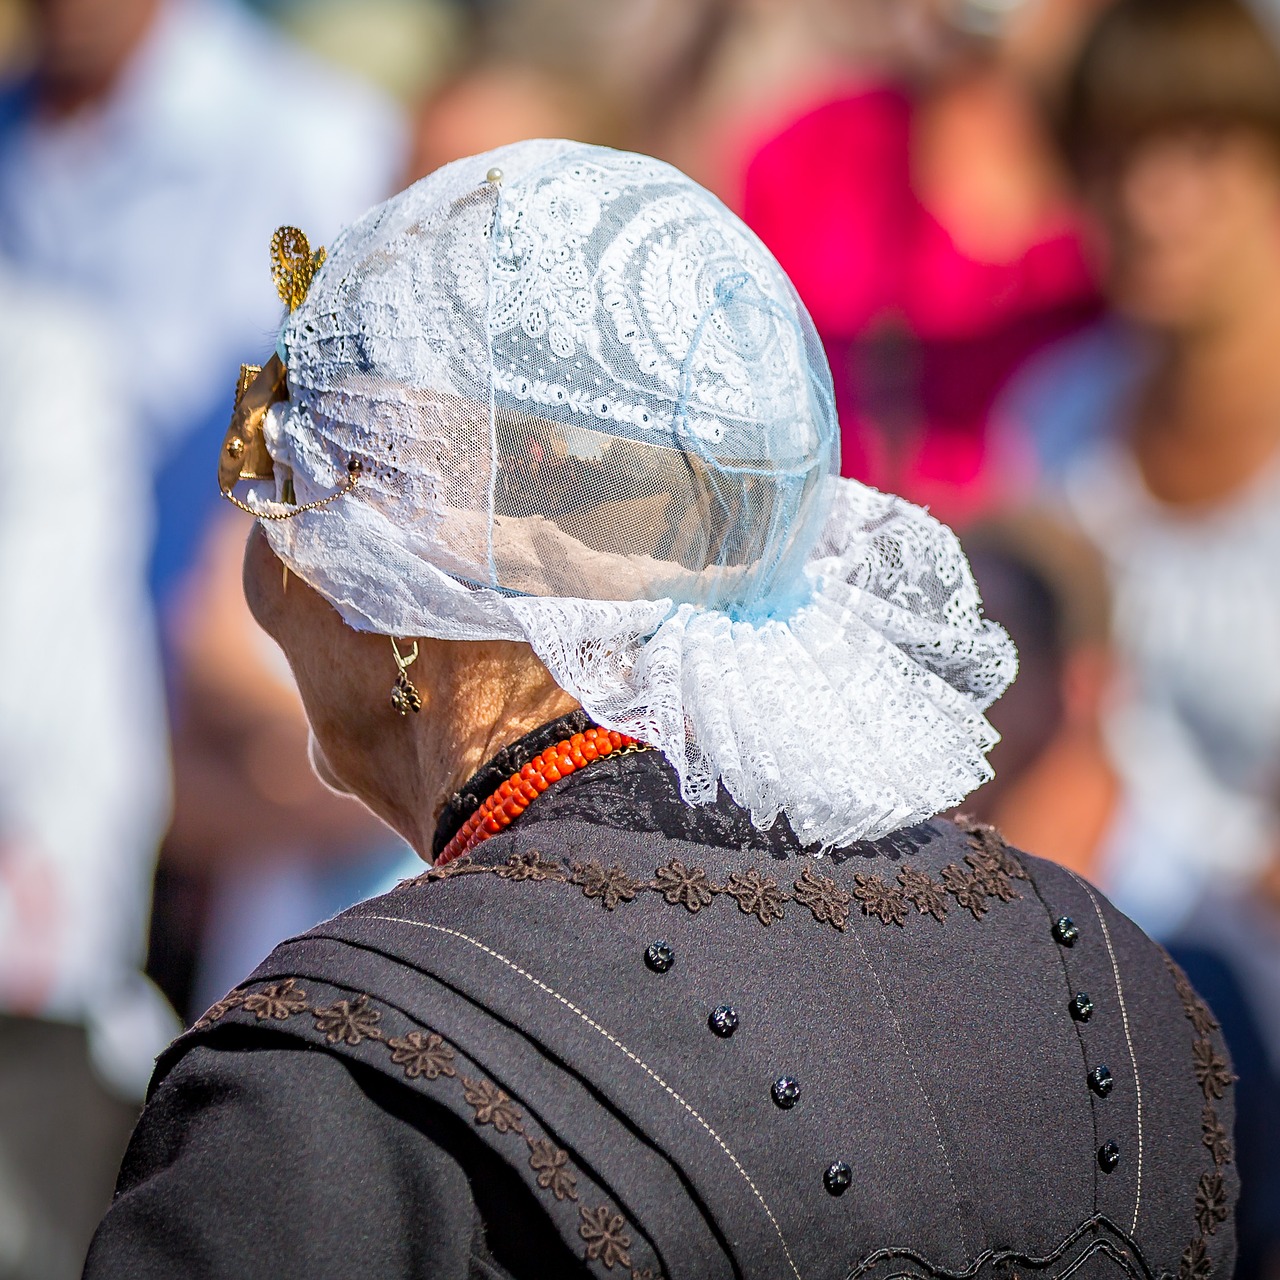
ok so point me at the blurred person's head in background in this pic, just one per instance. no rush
(81, 47)
(931, 227)
(404, 47)
(1172, 122)
(613, 72)
(1054, 789)
(930, 41)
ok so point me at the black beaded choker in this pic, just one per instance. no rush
(494, 772)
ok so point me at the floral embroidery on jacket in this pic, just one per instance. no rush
(1211, 1069)
(604, 1230)
(552, 1167)
(988, 877)
(966, 889)
(218, 1009)
(282, 1000)
(431, 1056)
(680, 884)
(421, 1055)
(1215, 1136)
(492, 1106)
(880, 899)
(1211, 1203)
(1198, 1013)
(989, 845)
(348, 1021)
(1195, 1263)
(530, 866)
(1214, 1077)
(994, 866)
(757, 895)
(995, 881)
(611, 886)
(828, 902)
(924, 893)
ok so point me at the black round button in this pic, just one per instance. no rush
(1081, 1007)
(1108, 1156)
(1065, 931)
(786, 1092)
(723, 1020)
(1101, 1081)
(838, 1178)
(659, 956)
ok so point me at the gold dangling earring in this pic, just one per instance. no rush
(404, 696)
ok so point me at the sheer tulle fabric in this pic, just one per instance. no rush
(860, 713)
(592, 415)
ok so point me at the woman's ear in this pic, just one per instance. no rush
(265, 584)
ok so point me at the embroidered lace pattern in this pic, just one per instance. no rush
(605, 1232)
(987, 878)
(592, 414)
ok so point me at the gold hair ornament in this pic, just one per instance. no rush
(404, 695)
(244, 453)
(293, 265)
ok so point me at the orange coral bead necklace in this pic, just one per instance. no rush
(521, 789)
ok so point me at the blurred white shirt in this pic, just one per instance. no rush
(83, 770)
(161, 202)
(155, 210)
(1195, 727)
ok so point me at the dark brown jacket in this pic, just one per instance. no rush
(630, 1038)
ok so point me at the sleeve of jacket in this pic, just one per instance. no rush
(254, 1160)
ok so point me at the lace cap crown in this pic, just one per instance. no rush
(574, 375)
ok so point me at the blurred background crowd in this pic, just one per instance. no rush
(1041, 242)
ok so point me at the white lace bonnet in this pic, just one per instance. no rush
(590, 412)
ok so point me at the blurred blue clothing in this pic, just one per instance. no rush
(1193, 721)
(185, 497)
(150, 210)
(159, 202)
(1072, 396)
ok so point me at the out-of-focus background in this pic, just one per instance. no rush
(1041, 242)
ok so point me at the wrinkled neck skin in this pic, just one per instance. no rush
(477, 697)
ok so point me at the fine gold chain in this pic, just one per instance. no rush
(353, 475)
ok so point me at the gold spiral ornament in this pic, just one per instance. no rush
(293, 265)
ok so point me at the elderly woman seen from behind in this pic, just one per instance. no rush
(695, 984)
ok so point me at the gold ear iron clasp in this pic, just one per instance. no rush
(244, 454)
(404, 695)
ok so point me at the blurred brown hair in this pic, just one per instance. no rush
(1152, 66)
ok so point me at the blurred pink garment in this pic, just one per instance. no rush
(921, 336)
